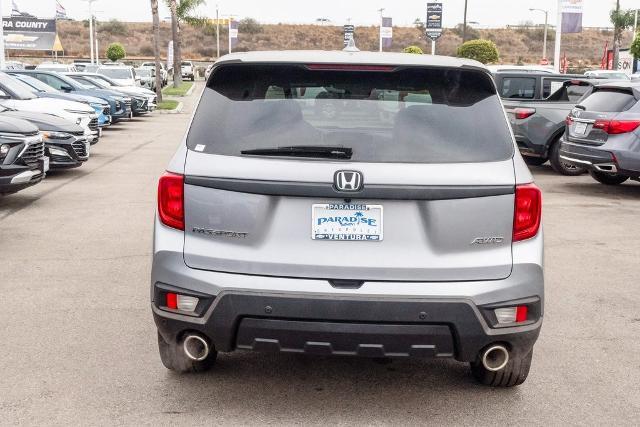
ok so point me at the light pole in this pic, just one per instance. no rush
(2, 59)
(91, 28)
(556, 53)
(546, 21)
(380, 35)
(217, 32)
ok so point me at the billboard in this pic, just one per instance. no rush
(29, 33)
(434, 21)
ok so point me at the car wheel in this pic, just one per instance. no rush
(515, 373)
(173, 358)
(608, 178)
(560, 165)
(534, 161)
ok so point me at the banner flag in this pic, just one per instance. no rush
(572, 16)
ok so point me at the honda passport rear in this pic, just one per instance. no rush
(349, 204)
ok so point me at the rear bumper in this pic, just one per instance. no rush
(592, 158)
(346, 326)
(528, 148)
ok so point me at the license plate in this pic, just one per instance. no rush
(580, 129)
(348, 221)
(45, 165)
(99, 132)
(87, 147)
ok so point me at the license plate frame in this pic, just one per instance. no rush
(580, 128)
(347, 222)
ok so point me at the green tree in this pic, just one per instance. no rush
(249, 26)
(481, 50)
(635, 47)
(621, 20)
(115, 52)
(413, 49)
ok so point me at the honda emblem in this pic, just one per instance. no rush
(348, 181)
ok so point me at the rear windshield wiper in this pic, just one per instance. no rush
(321, 151)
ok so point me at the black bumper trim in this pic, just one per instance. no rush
(468, 330)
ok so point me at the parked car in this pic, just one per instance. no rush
(188, 70)
(120, 105)
(521, 69)
(410, 235)
(42, 90)
(147, 77)
(603, 133)
(123, 74)
(530, 85)
(22, 159)
(607, 74)
(54, 66)
(18, 96)
(65, 144)
(163, 71)
(539, 124)
(138, 94)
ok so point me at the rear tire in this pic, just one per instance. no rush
(174, 359)
(534, 161)
(608, 178)
(515, 373)
(559, 165)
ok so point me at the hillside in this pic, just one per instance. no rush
(515, 45)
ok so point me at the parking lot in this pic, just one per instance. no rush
(80, 343)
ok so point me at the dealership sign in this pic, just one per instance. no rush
(434, 21)
(28, 33)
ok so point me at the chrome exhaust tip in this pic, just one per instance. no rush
(495, 358)
(195, 347)
(606, 167)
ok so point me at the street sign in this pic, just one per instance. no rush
(348, 33)
(434, 21)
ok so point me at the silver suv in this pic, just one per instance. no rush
(352, 204)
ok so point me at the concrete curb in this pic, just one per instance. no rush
(176, 110)
(191, 89)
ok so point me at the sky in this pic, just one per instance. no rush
(487, 13)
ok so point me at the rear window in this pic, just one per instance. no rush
(518, 88)
(426, 115)
(609, 100)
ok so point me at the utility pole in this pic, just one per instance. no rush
(217, 32)
(2, 58)
(617, 34)
(464, 25)
(556, 54)
(546, 22)
(380, 32)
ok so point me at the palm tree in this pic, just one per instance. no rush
(156, 47)
(621, 20)
(182, 11)
(175, 35)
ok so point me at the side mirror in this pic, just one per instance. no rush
(4, 95)
(66, 88)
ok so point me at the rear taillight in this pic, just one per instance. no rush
(527, 213)
(615, 127)
(524, 113)
(171, 200)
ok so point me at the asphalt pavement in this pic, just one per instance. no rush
(79, 343)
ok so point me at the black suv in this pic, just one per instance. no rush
(22, 159)
(65, 143)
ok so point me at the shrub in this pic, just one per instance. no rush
(249, 26)
(115, 52)
(484, 51)
(146, 50)
(413, 49)
(114, 27)
(635, 47)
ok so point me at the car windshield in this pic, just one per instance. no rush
(144, 72)
(106, 81)
(87, 82)
(35, 83)
(187, 64)
(17, 88)
(116, 73)
(429, 115)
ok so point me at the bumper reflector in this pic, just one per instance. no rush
(181, 302)
(511, 314)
